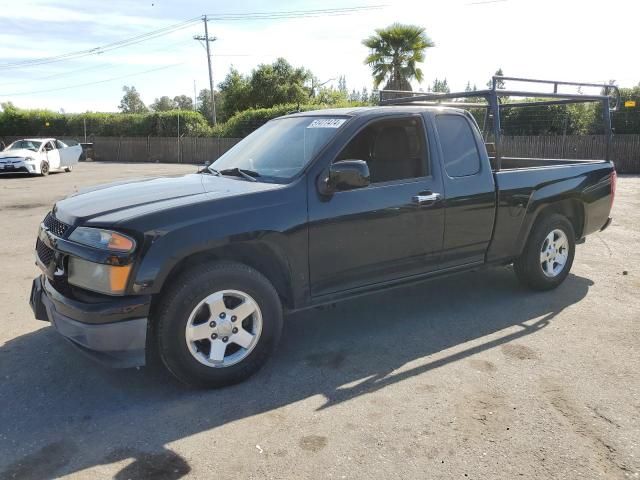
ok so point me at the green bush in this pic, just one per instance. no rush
(14, 121)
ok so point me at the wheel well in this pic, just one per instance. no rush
(258, 257)
(570, 208)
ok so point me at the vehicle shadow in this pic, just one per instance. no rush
(23, 176)
(62, 414)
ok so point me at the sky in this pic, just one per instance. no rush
(558, 39)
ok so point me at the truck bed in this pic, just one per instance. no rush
(525, 186)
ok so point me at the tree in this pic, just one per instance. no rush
(272, 84)
(395, 53)
(131, 101)
(8, 107)
(163, 104)
(440, 86)
(365, 94)
(204, 104)
(499, 83)
(278, 83)
(342, 84)
(235, 89)
(183, 102)
(330, 96)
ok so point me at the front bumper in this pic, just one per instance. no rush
(20, 166)
(15, 168)
(114, 332)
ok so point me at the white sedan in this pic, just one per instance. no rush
(39, 156)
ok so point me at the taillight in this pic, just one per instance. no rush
(614, 181)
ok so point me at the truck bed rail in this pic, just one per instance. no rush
(609, 98)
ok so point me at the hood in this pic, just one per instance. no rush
(20, 153)
(115, 202)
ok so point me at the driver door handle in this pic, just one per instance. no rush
(426, 198)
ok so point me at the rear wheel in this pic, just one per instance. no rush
(44, 169)
(548, 255)
(68, 169)
(218, 324)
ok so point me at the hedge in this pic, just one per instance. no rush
(47, 123)
(14, 122)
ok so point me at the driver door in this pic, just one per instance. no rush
(382, 232)
(52, 155)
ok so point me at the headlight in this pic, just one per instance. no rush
(109, 279)
(103, 239)
(29, 159)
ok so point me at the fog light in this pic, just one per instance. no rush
(109, 279)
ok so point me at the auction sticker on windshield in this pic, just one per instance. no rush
(327, 123)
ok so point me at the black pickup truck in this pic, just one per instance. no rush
(310, 209)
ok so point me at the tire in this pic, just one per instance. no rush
(530, 267)
(44, 169)
(182, 308)
(68, 169)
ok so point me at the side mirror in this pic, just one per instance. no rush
(344, 175)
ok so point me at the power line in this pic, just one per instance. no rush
(292, 13)
(105, 48)
(93, 83)
(91, 68)
(485, 2)
(274, 15)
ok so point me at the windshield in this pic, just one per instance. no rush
(281, 148)
(25, 145)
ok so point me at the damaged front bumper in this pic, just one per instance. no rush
(112, 331)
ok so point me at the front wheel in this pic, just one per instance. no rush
(548, 255)
(44, 169)
(218, 324)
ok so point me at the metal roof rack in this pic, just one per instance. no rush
(610, 99)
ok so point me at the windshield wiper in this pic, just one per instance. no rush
(241, 172)
(209, 170)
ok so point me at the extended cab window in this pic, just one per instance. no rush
(461, 157)
(394, 149)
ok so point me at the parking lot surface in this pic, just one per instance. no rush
(469, 376)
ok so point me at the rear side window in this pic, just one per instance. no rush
(461, 157)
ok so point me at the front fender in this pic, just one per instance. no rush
(168, 251)
(268, 233)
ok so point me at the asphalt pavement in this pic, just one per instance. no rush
(468, 376)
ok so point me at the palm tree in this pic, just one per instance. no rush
(395, 53)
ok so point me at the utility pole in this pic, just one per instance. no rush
(206, 39)
(195, 97)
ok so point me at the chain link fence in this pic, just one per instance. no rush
(625, 149)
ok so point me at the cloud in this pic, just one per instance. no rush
(565, 44)
(31, 12)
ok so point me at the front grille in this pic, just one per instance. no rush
(54, 225)
(45, 254)
(62, 286)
